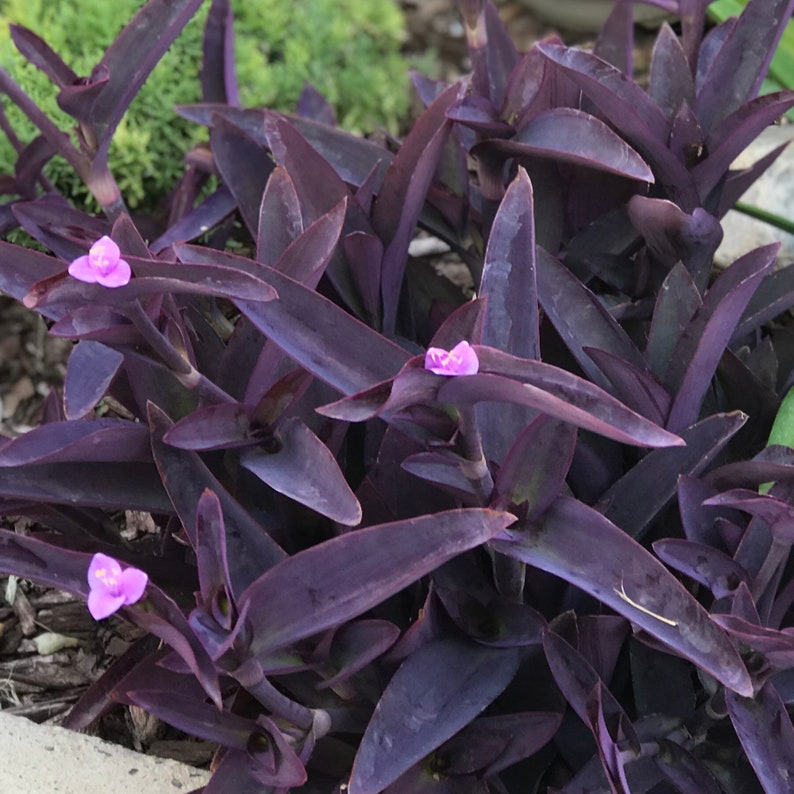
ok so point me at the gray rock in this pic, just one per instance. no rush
(773, 192)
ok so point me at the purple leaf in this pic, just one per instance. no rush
(21, 268)
(634, 501)
(304, 469)
(735, 133)
(249, 547)
(581, 319)
(706, 565)
(625, 105)
(314, 106)
(306, 326)
(216, 427)
(535, 468)
(306, 258)
(42, 56)
(673, 235)
(364, 254)
(571, 136)
(89, 372)
(218, 78)
(777, 513)
(615, 42)
(341, 578)
(244, 165)
(88, 440)
(554, 391)
(396, 209)
(684, 770)
(280, 220)
(765, 731)
(671, 83)
(491, 744)
(676, 304)
(735, 73)
(207, 215)
(355, 645)
(111, 486)
(154, 278)
(508, 278)
(437, 691)
(702, 344)
(638, 389)
(477, 113)
(593, 702)
(628, 579)
(127, 63)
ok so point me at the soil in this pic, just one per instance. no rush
(43, 682)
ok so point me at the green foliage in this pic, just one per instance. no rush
(350, 51)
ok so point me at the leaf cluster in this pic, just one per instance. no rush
(559, 573)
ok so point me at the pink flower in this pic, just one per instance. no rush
(112, 588)
(461, 360)
(103, 265)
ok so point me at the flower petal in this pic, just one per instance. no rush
(133, 584)
(105, 247)
(101, 568)
(101, 603)
(82, 270)
(469, 363)
(118, 277)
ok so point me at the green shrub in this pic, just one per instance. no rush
(349, 50)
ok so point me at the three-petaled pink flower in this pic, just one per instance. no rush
(461, 360)
(112, 587)
(103, 265)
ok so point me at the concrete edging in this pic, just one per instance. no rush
(47, 758)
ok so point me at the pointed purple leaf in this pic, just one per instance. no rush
(581, 319)
(89, 372)
(153, 278)
(638, 389)
(554, 391)
(702, 344)
(306, 326)
(572, 136)
(447, 682)
(215, 427)
(343, 577)
(244, 165)
(511, 321)
(306, 258)
(280, 220)
(355, 645)
(399, 203)
(625, 105)
(634, 501)
(671, 83)
(42, 56)
(218, 78)
(676, 304)
(249, 548)
(130, 59)
(739, 66)
(88, 440)
(706, 565)
(492, 52)
(628, 579)
(767, 736)
(535, 468)
(305, 470)
(735, 133)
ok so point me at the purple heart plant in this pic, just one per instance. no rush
(411, 541)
